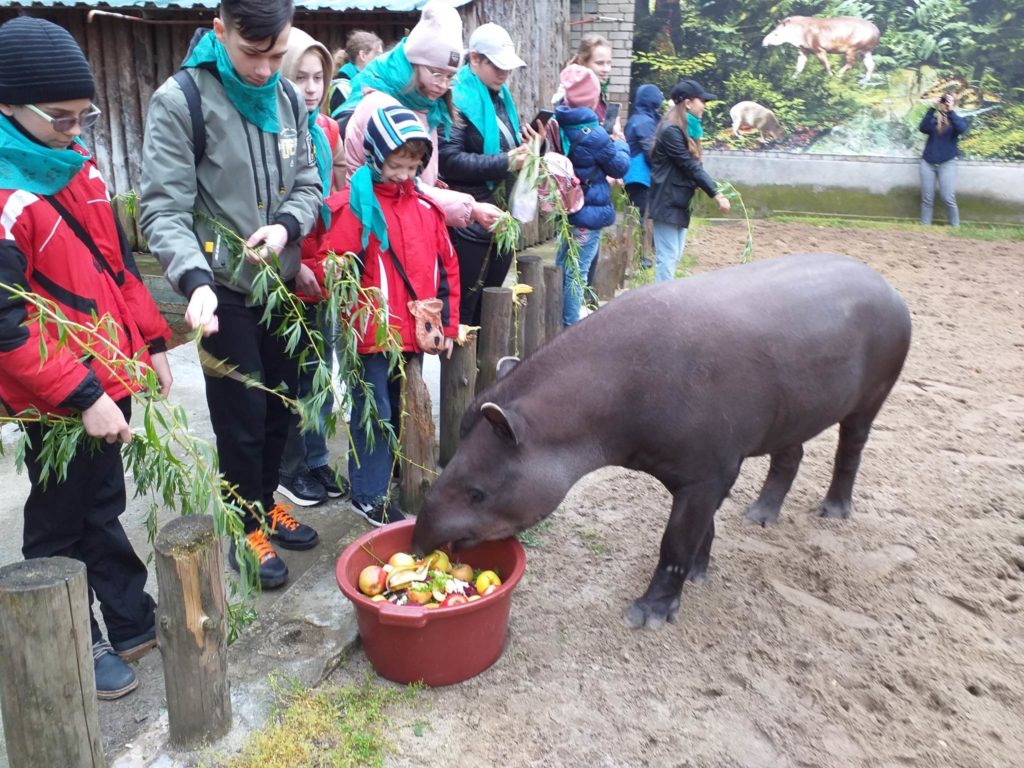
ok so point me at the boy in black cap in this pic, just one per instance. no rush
(59, 239)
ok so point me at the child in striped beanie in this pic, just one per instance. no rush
(405, 259)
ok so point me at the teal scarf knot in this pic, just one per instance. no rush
(256, 103)
(391, 73)
(33, 167)
(349, 69)
(324, 163)
(473, 99)
(366, 207)
(694, 127)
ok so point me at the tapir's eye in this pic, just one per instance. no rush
(475, 495)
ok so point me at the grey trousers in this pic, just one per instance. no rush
(945, 175)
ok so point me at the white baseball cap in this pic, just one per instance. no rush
(493, 41)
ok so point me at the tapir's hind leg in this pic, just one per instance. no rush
(689, 526)
(853, 434)
(781, 473)
(699, 572)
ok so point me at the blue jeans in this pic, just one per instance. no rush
(945, 175)
(669, 242)
(589, 241)
(371, 476)
(308, 450)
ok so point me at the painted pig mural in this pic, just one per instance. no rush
(847, 35)
(754, 115)
(682, 380)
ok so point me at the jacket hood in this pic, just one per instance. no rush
(569, 116)
(649, 99)
(299, 44)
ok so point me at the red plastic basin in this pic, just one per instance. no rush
(438, 646)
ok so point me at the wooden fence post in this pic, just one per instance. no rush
(552, 301)
(192, 622)
(531, 272)
(417, 440)
(47, 679)
(496, 327)
(615, 252)
(458, 383)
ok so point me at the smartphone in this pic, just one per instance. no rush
(543, 115)
(612, 115)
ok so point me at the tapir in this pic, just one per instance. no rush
(682, 380)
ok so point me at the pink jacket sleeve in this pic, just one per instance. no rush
(457, 206)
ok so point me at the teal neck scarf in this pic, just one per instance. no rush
(256, 103)
(349, 69)
(28, 165)
(473, 99)
(566, 144)
(694, 127)
(391, 73)
(324, 162)
(366, 207)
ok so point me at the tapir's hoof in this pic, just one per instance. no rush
(698, 574)
(837, 510)
(651, 613)
(762, 514)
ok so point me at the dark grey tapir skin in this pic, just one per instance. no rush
(683, 380)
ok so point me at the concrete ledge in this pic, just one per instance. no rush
(771, 182)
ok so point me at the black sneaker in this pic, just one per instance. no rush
(335, 485)
(114, 678)
(273, 571)
(303, 489)
(379, 513)
(288, 532)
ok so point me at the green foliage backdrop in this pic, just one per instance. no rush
(973, 48)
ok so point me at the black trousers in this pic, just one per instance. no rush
(251, 425)
(78, 518)
(480, 266)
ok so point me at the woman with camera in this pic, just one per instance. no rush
(943, 127)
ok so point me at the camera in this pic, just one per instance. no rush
(946, 99)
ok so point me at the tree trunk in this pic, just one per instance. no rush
(417, 440)
(192, 621)
(47, 679)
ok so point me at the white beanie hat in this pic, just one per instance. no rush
(436, 40)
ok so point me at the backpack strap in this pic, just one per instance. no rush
(83, 235)
(193, 99)
(401, 274)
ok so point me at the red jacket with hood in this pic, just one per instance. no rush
(418, 237)
(41, 253)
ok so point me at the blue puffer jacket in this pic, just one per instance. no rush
(594, 157)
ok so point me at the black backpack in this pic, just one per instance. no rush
(193, 99)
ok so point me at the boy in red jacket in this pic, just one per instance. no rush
(59, 239)
(403, 252)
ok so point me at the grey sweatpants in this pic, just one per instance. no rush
(945, 175)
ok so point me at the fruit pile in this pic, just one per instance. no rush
(433, 582)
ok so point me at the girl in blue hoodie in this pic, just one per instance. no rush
(640, 128)
(595, 157)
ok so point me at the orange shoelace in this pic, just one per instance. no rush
(259, 544)
(279, 517)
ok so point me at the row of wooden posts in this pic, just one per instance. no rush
(47, 678)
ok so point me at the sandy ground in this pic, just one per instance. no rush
(893, 639)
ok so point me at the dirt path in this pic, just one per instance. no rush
(893, 639)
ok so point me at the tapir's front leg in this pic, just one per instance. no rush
(693, 511)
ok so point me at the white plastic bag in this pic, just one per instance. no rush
(522, 203)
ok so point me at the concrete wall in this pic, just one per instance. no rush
(884, 187)
(618, 33)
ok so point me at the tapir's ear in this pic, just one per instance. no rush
(505, 366)
(501, 422)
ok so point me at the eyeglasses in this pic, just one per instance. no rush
(440, 76)
(66, 124)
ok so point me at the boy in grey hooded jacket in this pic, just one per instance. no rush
(256, 175)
